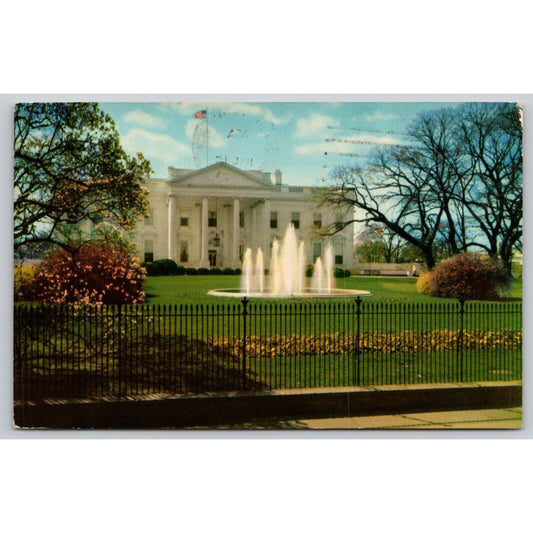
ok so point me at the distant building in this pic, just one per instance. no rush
(208, 217)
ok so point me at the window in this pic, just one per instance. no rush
(184, 220)
(212, 219)
(241, 252)
(148, 251)
(241, 219)
(273, 219)
(212, 254)
(295, 220)
(317, 250)
(184, 252)
(149, 219)
(317, 222)
(338, 249)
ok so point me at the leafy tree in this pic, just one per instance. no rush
(70, 169)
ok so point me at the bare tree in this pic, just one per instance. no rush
(491, 137)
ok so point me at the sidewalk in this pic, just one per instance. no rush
(510, 418)
(479, 419)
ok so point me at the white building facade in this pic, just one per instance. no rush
(208, 217)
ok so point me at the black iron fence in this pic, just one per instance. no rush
(90, 351)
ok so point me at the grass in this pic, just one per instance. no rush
(171, 290)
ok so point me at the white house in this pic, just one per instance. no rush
(208, 217)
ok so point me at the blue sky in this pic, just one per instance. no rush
(304, 140)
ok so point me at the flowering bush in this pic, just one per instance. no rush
(467, 277)
(94, 274)
(422, 283)
(401, 342)
(23, 280)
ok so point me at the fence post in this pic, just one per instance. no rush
(245, 303)
(119, 349)
(357, 376)
(460, 337)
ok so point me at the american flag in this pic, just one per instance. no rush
(201, 114)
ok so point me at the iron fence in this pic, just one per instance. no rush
(93, 351)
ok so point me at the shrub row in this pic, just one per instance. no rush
(337, 273)
(168, 267)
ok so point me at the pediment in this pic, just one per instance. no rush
(222, 175)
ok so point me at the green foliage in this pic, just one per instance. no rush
(340, 273)
(467, 277)
(94, 274)
(164, 267)
(70, 169)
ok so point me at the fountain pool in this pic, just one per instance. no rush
(286, 277)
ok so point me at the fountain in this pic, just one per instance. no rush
(286, 277)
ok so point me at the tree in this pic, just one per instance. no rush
(491, 137)
(379, 244)
(70, 169)
(457, 186)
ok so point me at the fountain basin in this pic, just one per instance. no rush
(304, 294)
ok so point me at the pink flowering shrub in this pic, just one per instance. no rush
(467, 277)
(94, 274)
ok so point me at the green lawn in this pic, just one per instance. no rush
(193, 289)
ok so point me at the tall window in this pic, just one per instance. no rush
(295, 219)
(241, 219)
(212, 219)
(184, 252)
(339, 256)
(317, 222)
(148, 251)
(317, 250)
(273, 219)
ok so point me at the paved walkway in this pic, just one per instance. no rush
(510, 418)
(479, 419)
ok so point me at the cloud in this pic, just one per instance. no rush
(141, 118)
(306, 127)
(196, 129)
(154, 145)
(378, 115)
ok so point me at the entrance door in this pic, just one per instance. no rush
(212, 254)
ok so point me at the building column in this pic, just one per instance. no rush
(172, 227)
(236, 231)
(265, 230)
(253, 229)
(204, 232)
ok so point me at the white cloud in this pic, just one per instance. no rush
(137, 116)
(378, 115)
(306, 127)
(154, 145)
(197, 128)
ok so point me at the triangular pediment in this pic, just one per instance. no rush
(222, 175)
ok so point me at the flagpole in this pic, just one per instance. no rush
(206, 137)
